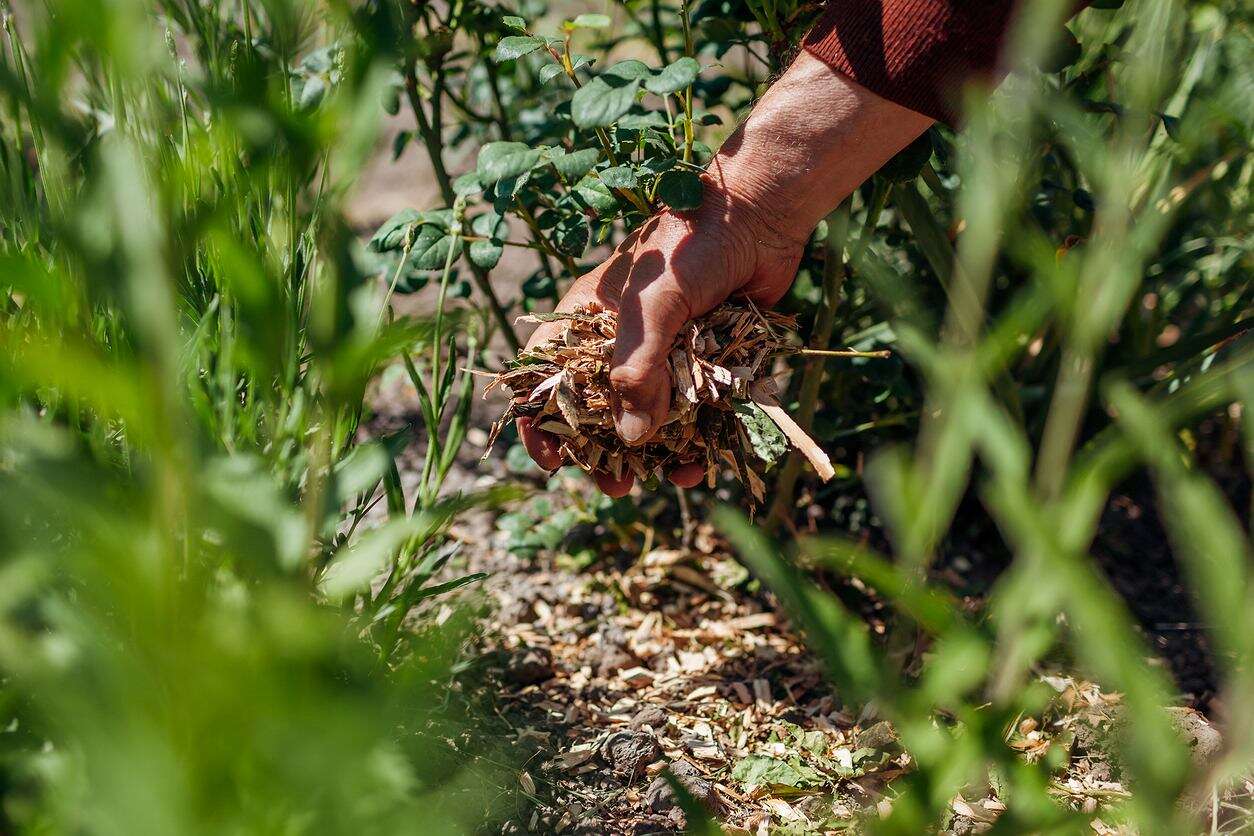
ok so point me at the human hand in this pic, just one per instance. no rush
(676, 267)
(812, 139)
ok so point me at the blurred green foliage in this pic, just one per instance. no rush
(195, 634)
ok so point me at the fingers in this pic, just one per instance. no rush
(611, 487)
(651, 311)
(687, 475)
(543, 447)
(684, 476)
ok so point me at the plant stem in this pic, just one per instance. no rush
(812, 376)
(435, 151)
(688, 134)
(824, 352)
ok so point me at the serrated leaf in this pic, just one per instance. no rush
(431, 247)
(600, 102)
(768, 442)
(657, 165)
(643, 121)
(516, 46)
(467, 184)
(619, 177)
(501, 160)
(576, 164)
(591, 21)
(674, 77)
(594, 196)
(487, 254)
(629, 70)
(514, 22)
(680, 189)
(549, 72)
(391, 234)
(570, 236)
(506, 190)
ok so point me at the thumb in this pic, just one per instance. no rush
(651, 311)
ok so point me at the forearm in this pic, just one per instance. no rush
(812, 139)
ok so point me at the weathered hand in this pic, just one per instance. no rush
(811, 140)
(677, 266)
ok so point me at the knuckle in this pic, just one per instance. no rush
(633, 377)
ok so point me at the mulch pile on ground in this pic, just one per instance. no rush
(611, 676)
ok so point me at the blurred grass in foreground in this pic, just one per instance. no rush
(189, 641)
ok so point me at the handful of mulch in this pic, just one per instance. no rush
(724, 408)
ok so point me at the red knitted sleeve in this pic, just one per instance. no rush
(917, 53)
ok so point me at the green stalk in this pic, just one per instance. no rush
(812, 376)
(429, 131)
(688, 50)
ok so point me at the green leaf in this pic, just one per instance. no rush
(657, 165)
(674, 77)
(538, 286)
(360, 470)
(768, 442)
(431, 247)
(590, 21)
(550, 71)
(593, 195)
(570, 236)
(506, 190)
(500, 160)
(576, 164)
(643, 121)
(600, 102)
(467, 184)
(486, 254)
(680, 189)
(391, 235)
(765, 771)
(516, 46)
(629, 70)
(619, 177)
(514, 22)
(399, 142)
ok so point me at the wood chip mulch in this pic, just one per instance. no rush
(610, 676)
(618, 675)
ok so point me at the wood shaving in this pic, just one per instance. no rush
(719, 367)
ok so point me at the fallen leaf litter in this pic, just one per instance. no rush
(660, 674)
(724, 404)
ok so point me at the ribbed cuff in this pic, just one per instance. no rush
(917, 53)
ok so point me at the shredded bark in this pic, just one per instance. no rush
(724, 412)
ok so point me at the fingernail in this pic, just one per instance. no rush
(633, 426)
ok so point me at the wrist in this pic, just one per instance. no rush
(810, 141)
